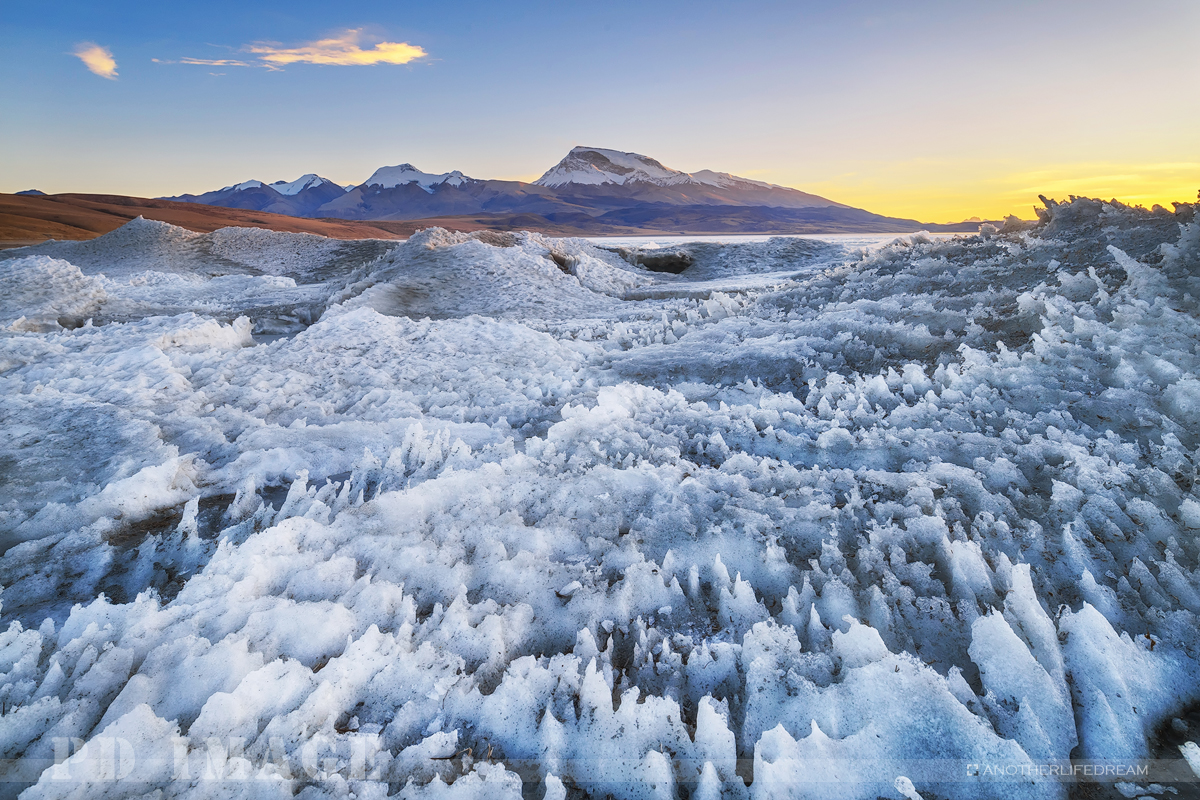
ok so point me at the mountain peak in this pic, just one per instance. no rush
(243, 186)
(401, 174)
(593, 179)
(597, 165)
(594, 166)
(306, 181)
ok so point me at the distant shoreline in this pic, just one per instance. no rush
(31, 219)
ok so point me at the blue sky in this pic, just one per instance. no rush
(938, 110)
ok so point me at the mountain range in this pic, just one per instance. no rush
(592, 190)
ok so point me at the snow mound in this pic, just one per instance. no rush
(141, 245)
(273, 252)
(916, 521)
(441, 274)
(43, 294)
(137, 245)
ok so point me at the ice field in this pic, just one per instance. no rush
(504, 516)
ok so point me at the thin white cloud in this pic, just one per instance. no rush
(343, 49)
(216, 62)
(96, 58)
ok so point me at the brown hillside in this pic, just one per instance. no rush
(26, 219)
(30, 219)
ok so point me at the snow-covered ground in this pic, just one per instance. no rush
(502, 516)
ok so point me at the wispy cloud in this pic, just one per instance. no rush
(341, 50)
(96, 58)
(344, 49)
(214, 62)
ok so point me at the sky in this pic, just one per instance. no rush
(937, 111)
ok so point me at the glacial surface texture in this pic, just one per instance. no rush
(502, 516)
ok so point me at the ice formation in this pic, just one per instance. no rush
(503, 516)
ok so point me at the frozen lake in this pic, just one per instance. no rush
(504, 516)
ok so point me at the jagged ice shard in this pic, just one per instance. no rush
(474, 516)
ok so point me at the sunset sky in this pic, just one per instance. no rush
(932, 110)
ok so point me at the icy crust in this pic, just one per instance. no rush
(147, 268)
(286, 281)
(781, 256)
(932, 506)
(46, 295)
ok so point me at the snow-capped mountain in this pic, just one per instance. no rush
(614, 179)
(309, 181)
(391, 177)
(299, 198)
(590, 187)
(286, 188)
(595, 166)
(241, 187)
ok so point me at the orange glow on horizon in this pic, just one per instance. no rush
(952, 192)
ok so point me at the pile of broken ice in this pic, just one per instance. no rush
(286, 516)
